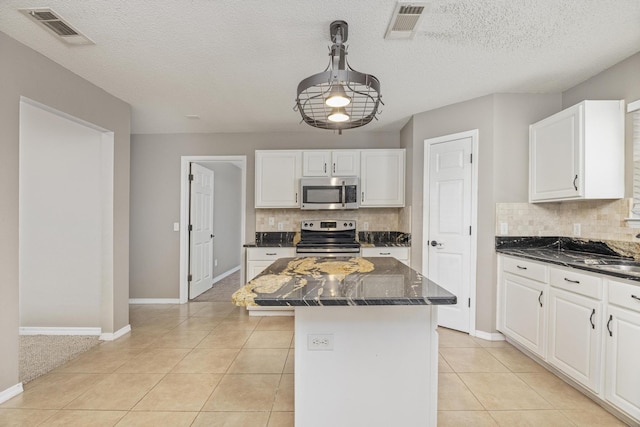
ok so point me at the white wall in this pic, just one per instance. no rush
(24, 72)
(60, 211)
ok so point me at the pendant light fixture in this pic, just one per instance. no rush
(339, 97)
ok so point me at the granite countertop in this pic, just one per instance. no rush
(585, 255)
(311, 281)
(269, 244)
(367, 239)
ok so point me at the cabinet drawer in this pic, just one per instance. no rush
(396, 252)
(625, 295)
(267, 254)
(579, 283)
(524, 268)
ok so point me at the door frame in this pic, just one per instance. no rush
(474, 135)
(185, 162)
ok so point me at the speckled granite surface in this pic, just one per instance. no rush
(311, 281)
(368, 239)
(384, 238)
(594, 256)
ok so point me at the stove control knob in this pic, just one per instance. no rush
(310, 224)
(350, 224)
(345, 224)
(305, 224)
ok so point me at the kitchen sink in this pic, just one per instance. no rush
(623, 268)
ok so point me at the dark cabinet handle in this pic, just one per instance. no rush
(521, 268)
(325, 168)
(608, 323)
(271, 253)
(593, 326)
(572, 281)
(385, 253)
(540, 298)
(334, 168)
(362, 196)
(296, 197)
(574, 182)
(635, 297)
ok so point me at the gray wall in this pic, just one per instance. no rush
(23, 72)
(155, 191)
(622, 81)
(227, 193)
(503, 122)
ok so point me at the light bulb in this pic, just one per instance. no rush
(337, 97)
(338, 115)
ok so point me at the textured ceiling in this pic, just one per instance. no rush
(236, 63)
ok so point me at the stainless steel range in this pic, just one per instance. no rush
(328, 238)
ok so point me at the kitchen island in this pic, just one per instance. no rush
(366, 345)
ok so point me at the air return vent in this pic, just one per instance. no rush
(405, 20)
(57, 25)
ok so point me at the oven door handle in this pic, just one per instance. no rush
(344, 193)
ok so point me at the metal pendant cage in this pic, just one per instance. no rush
(362, 90)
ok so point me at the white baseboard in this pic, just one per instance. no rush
(225, 274)
(10, 392)
(117, 334)
(36, 330)
(154, 300)
(490, 336)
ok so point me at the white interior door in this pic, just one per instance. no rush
(201, 234)
(449, 231)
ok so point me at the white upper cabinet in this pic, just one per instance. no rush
(578, 153)
(382, 178)
(330, 163)
(345, 163)
(277, 176)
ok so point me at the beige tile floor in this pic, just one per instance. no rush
(209, 364)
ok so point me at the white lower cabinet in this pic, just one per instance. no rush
(260, 258)
(400, 253)
(622, 377)
(522, 306)
(575, 336)
(590, 330)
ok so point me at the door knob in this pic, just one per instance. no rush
(212, 236)
(436, 244)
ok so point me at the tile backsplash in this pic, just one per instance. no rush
(379, 219)
(598, 219)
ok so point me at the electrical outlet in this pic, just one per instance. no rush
(320, 342)
(504, 228)
(272, 220)
(576, 230)
(176, 226)
(280, 226)
(365, 226)
(215, 263)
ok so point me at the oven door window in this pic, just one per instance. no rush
(322, 195)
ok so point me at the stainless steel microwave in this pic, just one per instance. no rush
(329, 193)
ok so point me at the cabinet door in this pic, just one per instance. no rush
(575, 336)
(277, 179)
(382, 178)
(316, 163)
(622, 381)
(554, 156)
(523, 309)
(345, 163)
(256, 267)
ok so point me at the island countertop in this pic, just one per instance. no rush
(316, 281)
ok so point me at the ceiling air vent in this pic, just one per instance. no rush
(57, 25)
(405, 20)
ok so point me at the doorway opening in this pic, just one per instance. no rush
(65, 237)
(219, 249)
(450, 223)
